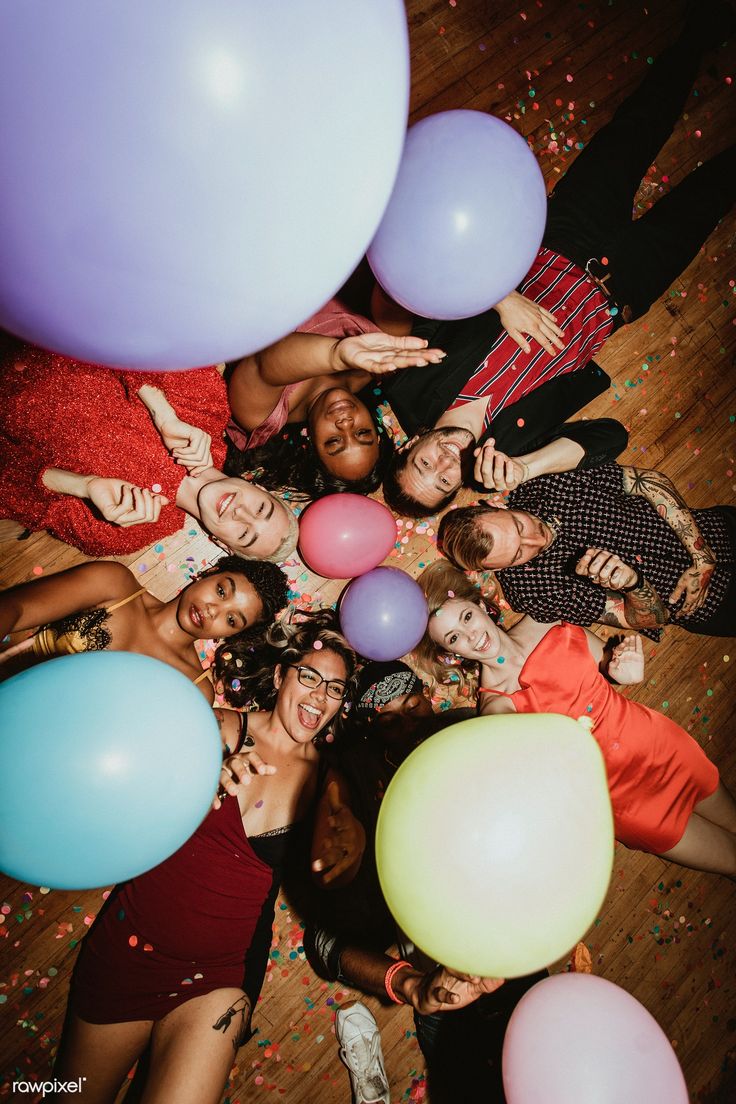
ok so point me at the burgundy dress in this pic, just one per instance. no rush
(657, 773)
(178, 931)
(62, 413)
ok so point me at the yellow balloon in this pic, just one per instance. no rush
(494, 843)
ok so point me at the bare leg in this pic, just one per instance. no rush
(705, 846)
(719, 808)
(101, 1054)
(194, 1047)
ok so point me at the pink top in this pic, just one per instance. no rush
(333, 320)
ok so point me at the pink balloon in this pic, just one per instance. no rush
(344, 535)
(577, 1037)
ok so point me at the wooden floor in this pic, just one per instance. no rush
(555, 69)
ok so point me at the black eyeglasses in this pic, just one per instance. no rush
(309, 677)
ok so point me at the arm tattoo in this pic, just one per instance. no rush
(644, 608)
(662, 494)
(636, 609)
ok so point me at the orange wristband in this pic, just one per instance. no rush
(390, 975)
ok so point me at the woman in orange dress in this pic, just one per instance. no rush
(665, 792)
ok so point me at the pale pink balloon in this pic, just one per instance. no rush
(344, 535)
(579, 1039)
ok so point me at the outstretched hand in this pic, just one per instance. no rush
(520, 316)
(123, 503)
(343, 845)
(237, 770)
(379, 353)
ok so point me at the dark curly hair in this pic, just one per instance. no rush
(246, 672)
(269, 583)
(290, 462)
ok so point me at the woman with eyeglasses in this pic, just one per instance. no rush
(174, 962)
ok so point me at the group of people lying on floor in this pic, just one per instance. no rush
(110, 462)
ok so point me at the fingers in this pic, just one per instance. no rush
(333, 798)
(678, 592)
(194, 450)
(520, 340)
(496, 469)
(604, 568)
(139, 506)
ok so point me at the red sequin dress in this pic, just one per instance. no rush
(62, 413)
(176, 932)
(657, 773)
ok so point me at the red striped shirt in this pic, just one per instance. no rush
(582, 312)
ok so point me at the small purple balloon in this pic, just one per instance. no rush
(384, 614)
(465, 218)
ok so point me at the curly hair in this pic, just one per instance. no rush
(289, 462)
(400, 501)
(438, 581)
(247, 672)
(269, 583)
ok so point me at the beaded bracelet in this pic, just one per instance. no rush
(390, 974)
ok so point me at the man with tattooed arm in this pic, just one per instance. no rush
(615, 545)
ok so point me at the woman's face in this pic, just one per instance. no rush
(244, 517)
(218, 606)
(467, 630)
(343, 434)
(305, 710)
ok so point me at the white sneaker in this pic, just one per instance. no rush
(360, 1049)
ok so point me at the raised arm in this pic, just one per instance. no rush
(189, 445)
(257, 382)
(47, 599)
(659, 490)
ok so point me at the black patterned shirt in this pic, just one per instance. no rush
(589, 509)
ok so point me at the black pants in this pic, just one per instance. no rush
(589, 213)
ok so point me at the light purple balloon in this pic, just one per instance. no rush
(184, 182)
(577, 1037)
(384, 613)
(465, 218)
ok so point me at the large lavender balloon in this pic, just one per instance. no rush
(185, 182)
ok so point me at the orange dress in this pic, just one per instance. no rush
(657, 773)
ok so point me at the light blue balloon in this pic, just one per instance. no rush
(108, 763)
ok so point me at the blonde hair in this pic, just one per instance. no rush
(440, 581)
(288, 545)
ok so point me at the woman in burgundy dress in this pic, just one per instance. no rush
(163, 966)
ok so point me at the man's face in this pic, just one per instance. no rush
(517, 538)
(434, 467)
